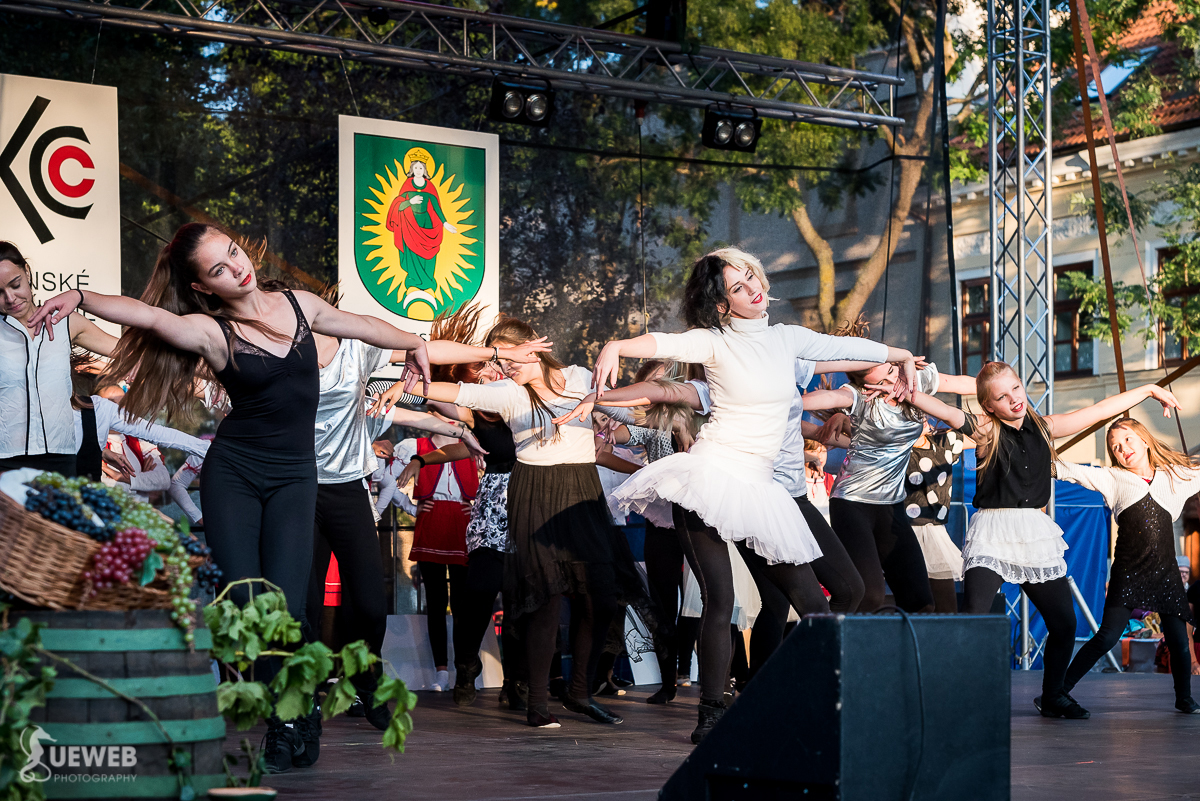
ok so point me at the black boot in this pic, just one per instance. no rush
(378, 716)
(514, 695)
(664, 694)
(1187, 706)
(309, 728)
(592, 709)
(464, 682)
(710, 713)
(1062, 706)
(282, 744)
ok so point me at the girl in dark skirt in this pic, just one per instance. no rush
(563, 542)
(1146, 492)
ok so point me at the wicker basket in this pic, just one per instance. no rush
(42, 562)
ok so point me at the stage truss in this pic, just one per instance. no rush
(443, 39)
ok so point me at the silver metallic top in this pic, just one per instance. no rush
(877, 459)
(344, 431)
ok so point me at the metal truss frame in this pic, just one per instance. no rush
(1021, 212)
(444, 39)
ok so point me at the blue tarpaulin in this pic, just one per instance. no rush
(1086, 524)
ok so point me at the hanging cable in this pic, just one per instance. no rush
(641, 118)
(96, 53)
(342, 61)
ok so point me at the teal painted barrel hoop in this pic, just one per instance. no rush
(138, 787)
(80, 640)
(150, 687)
(136, 732)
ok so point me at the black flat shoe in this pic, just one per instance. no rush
(592, 709)
(1187, 706)
(1064, 706)
(309, 727)
(378, 716)
(664, 694)
(539, 721)
(464, 682)
(710, 713)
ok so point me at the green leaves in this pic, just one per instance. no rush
(150, 566)
(25, 684)
(401, 724)
(298, 677)
(356, 657)
(339, 699)
(243, 702)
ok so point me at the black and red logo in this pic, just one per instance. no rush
(60, 154)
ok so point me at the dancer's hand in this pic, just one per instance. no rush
(386, 400)
(608, 368)
(416, 368)
(424, 506)
(409, 473)
(57, 309)
(526, 353)
(1166, 398)
(579, 413)
(837, 425)
(473, 446)
(906, 382)
(116, 465)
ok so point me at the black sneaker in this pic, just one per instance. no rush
(356, 710)
(464, 682)
(309, 727)
(1062, 706)
(282, 744)
(710, 713)
(665, 694)
(1187, 706)
(378, 716)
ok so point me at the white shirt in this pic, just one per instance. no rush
(389, 491)
(149, 472)
(35, 390)
(789, 464)
(344, 433)
(575, 441)
(178, 491)
(751, 375)
(1123, 488)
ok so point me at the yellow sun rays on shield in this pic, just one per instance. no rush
(451, 264)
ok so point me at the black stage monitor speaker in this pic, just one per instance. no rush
(846, 710)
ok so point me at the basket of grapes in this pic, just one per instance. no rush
(78, 544)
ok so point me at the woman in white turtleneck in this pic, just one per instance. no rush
(723, 488)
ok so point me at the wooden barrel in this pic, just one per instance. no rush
(106, 747)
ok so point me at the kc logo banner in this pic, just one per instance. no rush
(59, 169)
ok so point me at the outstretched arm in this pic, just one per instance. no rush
(445, 351)
(608, 364)
(643, 393)
(956, 384)
(821, 399)
(955, 418)
(1064, 425)
(89, 336)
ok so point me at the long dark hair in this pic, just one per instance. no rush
(9, 252)
(705, 304)
(163, 376)
(511, 331)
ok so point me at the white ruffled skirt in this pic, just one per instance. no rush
(732, 491)
(1020, 545)
(942, 557)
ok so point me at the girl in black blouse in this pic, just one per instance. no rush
(1010, 539)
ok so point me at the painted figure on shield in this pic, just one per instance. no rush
(417, 222)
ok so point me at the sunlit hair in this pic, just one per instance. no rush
(984, 380)
(1160, 455)
(461, 326)
(858, 379)
(704, 295)
(666, 416)
(163, 376)
(511, 331)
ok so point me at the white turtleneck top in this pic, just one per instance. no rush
(751, 374)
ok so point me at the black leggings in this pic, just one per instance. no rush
(346, 528)
(664, 573)
(1052, 599)
(1111, 627)
(708, 556)
(881, 543)
(590, 619)
(258, 521)
(485, 577)
(835, 569)
(434, 579)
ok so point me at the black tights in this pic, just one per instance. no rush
(708, 556)
(1111, 627)
(664, 574)
(485, 575)
(434, 579)
(945, 597)
(590, 619)
(1052, 599)
(879, 539)
(835, 569)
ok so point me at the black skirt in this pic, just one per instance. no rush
(564, 542)
(1144, 572)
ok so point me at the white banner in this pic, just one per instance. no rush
(59, 168)
(418, 221)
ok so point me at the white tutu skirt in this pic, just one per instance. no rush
(942, 557)
(1020, 545)
(747, 603)
(731, 491)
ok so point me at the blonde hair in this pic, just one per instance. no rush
(986, 443)
(1161, 455)
(858, 379)
(741, 260)
(664, 416)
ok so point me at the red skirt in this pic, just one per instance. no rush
(441, 534)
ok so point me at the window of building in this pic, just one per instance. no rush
(1174, 349)
(976, 324)
(1073, 352)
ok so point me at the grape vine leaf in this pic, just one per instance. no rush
(150, 567)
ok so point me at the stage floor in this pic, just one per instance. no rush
(1134, 747)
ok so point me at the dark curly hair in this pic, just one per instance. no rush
(704, 293)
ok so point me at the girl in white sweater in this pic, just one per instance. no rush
(723, 486)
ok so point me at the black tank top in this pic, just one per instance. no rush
(274, 399)
(497, 439)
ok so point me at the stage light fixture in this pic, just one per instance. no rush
(524, 105)
(727, 128)
(378, 15)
